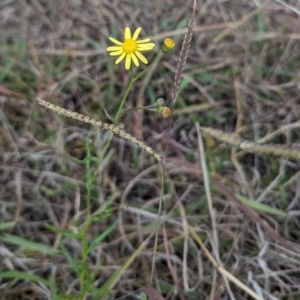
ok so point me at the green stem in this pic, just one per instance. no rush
(133, 80)
(91, 177)
(84, 231)
(119, 113)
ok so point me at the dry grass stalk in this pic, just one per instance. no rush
(269, 149)
(183, 54)
(115, 129)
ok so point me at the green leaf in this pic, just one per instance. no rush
(28, 244)
(7, 225)
(114, 121)
(143, 296)
(72, 262)
(25, 276)
(102, 236)
(115, 277)
(260, 207)
(64, 232)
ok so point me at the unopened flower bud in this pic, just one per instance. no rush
(160, 101)
(164, 111)
(168, 45)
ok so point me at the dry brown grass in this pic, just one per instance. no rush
(241, 76)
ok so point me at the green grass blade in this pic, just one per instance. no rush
(7, 225)
(104, 291)
(102, 236)
(261, 207)
(28, 244)
(72, 262)
(24, 276)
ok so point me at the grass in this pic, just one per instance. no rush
(79, 207)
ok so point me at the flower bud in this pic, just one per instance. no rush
(164, 111)
(168, 45)
(160, 101)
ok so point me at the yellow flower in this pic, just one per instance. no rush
(131, 48)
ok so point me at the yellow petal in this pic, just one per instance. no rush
(135, 60)
(120, 58)
(143, 41)
(115, 41)
(116, 53)
(128, 61)
(127, 34)
(144, 47)
(136, 33)
(141, 57)
(114, 48)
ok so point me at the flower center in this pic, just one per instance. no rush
(130, 46)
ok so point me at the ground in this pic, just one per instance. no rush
(79, 206)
